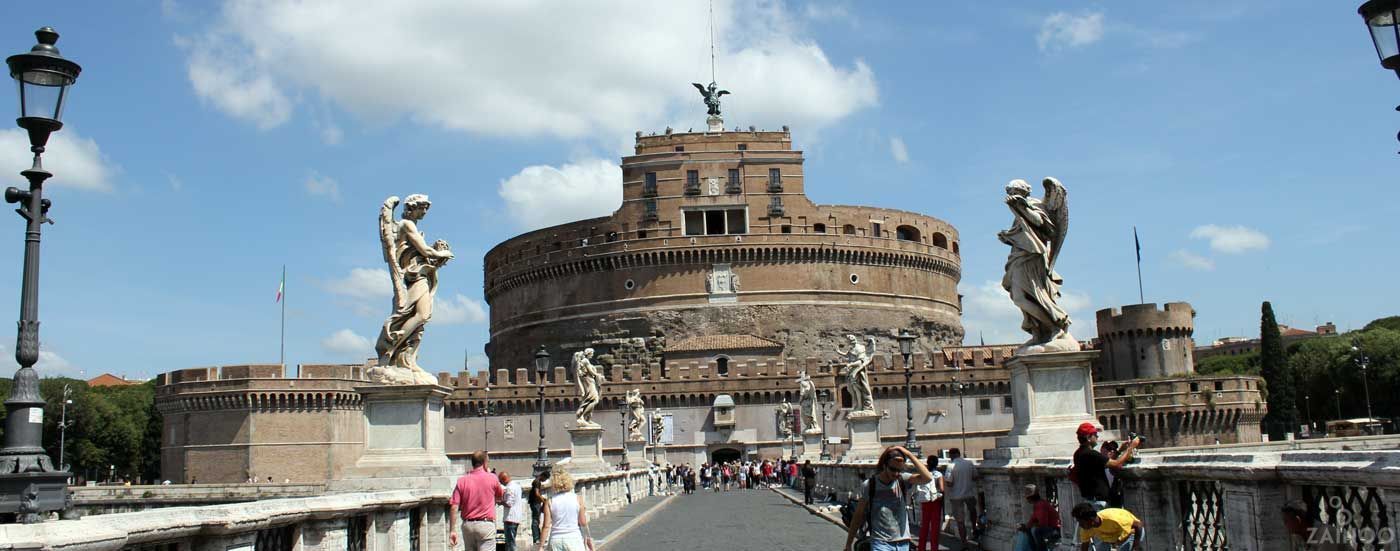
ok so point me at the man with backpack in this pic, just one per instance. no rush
(882, 510)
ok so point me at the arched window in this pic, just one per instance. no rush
(940, 240)
(848, 229)
(955, 248)
(908, 233)
(819, 228)
(722, 366)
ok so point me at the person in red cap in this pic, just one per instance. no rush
(1090, 465)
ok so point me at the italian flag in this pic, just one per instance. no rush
(280, 285)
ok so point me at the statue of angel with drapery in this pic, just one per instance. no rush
(1036, 235)
(413, 266)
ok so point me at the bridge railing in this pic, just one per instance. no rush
(397, 519)
(1200, 500)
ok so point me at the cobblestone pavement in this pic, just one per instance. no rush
(758, 520)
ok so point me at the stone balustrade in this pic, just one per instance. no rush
(101, 500)
(373, 521)
(1205, 499)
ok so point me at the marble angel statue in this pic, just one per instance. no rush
(589, 378)
(807, 402)
(413, 266)
(658, 427)
(1036, 235)
(856, 363)
(784, 413)
(635, 415)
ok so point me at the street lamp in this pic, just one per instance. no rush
(1382, 19)
(485, 412)
(622, 411)
(1338, 392)
(825, 396)
(1307, 403)
(1365, 385)
(541, 368)
(30, 484)
(906, 349)
(63, 425)
(962, 412)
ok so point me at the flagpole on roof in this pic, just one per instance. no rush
(1138, 246)
(282, 298)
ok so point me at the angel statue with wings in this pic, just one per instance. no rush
(856, 364)
(711, 95)
(413, 266)
(635, 416)
(589, 378)
(1036, 235)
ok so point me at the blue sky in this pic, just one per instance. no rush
(210, 143)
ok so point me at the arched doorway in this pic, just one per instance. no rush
(725, 455)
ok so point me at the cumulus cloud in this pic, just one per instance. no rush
(318, 185)
(898, 150)
(50, 364)
(1193, 261)
(1231, 239)
(176, 184)
(1062, 30)
(347, 343)
(459, 309)
(989, 314)
(561, 75)
(331, 134)
(542, 196)
(363, 283)
(78, 162)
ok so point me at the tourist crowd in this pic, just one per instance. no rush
(724, 476)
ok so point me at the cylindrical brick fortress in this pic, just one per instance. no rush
(715, 235)
(1141, 341)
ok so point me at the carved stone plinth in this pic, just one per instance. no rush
(864, 430)
(811, 446)
(715, 123)
(585, 451)
(1051, 394)
(637, 454)
(403, 440)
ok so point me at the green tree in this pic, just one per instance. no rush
(1242, 364)
(1273, 367)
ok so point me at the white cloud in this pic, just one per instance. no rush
(542, 196)
(458, 309)
(989, 314)
(1062, 30)
(1231, 239)
(50, 364)
(76, 161)
(322, 186)
(1193, 261)
(825, 12)
(363, 283)
(223, 74)
(348, 343)
(560, 76)
(899, 150)
(331, 134)
(176, 184)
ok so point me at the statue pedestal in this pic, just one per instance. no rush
(403, 449)
(636, 451)
(864, 427)
(585, 451)
(1051, 394)
(716, 124)
(811, 446)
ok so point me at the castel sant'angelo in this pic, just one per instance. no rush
(709, 289)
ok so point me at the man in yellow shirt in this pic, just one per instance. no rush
(1117, 529)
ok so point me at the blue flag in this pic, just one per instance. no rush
(1137, 245)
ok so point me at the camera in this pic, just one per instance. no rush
(1142, 440)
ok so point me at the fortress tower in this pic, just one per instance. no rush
(1143, 342)
(716, 236)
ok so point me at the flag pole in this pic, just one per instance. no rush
(283, 354)
(1138, 246)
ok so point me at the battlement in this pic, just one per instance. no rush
(752, 139)
(1176, 317)
(261, 371)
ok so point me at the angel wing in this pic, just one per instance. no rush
(1056, 206)
(701, 88)
(870, 346)
(388, 239)
(721, 93)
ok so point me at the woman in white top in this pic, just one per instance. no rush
(564, 516)
(928, 502)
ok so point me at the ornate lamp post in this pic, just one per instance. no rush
(63, 425)
(29, 482)
(541, 368)
(906, 349)
(825, 396)
(1382, 19)
(485, 412)
(622, 411)
(962, 411)
(1362, 361)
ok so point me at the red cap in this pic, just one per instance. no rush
(1087, 428)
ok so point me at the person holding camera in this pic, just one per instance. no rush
(882, 507)
(1090, 468)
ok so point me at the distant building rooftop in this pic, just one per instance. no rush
(108, 379)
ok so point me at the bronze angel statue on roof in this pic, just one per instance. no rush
(1037, 233)
(711, 95)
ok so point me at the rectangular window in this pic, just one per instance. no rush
(984, 405)
(875, 230)
(743, 147)
(695, 222)
(787, 228)
(680, 148)
(1220, 385)
(734, 186)
(649, 187)
(1006, 404)
(714, 222)
(692, 182)
(738, 222)
(641, 234)
(775, 179)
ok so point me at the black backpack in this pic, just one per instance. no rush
(848, 510)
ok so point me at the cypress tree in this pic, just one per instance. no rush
(1278, 379)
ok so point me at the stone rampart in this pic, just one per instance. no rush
(1141, 341)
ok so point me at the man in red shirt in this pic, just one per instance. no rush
(1043, 529)
(474, 498)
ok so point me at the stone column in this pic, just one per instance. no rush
(433, 533)
(322, 535)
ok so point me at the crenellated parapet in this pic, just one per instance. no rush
(1182, 411)
(260, 387)
(1143, 341)
(1172, 317)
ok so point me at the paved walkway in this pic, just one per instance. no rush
(947, 542)
(758, 520)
